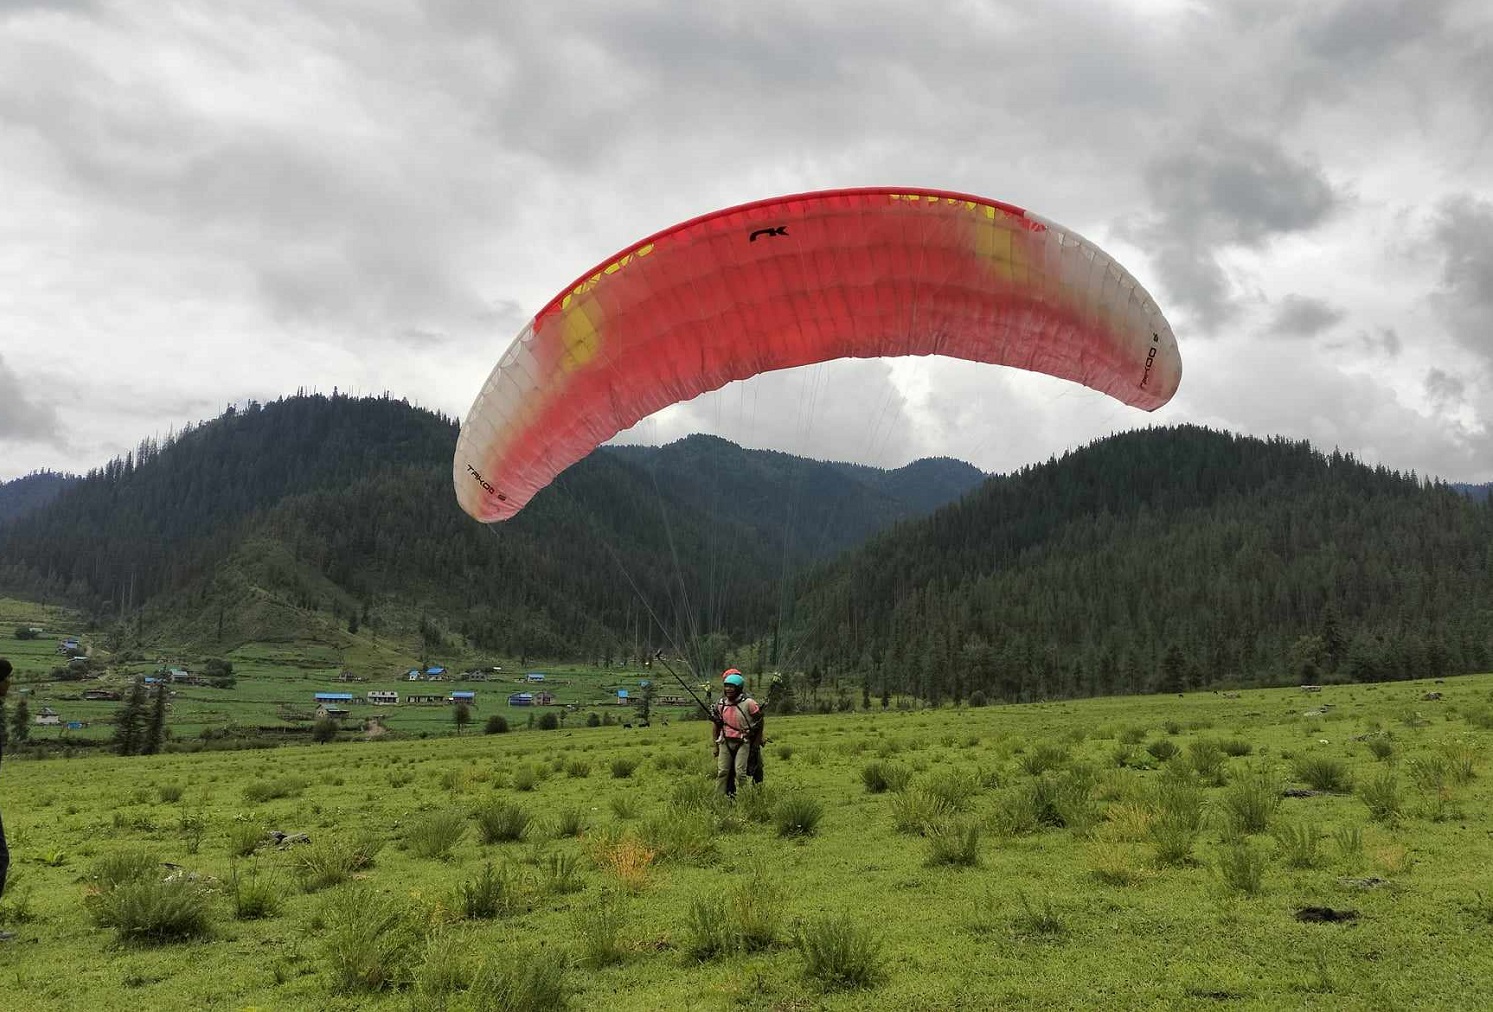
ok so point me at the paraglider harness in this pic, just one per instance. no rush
(712, 714)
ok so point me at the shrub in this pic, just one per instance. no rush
(367, 939)
(494, 893)
(324, 730)
(977, 698)
(548, 721)
(839, 952)
(1323, 773)
(797, 815)
(623, 767)
(495, 724)
(954, 842)
(501, 822)
(434, 835)
(593, 719)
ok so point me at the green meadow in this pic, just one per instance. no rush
(1270, 849)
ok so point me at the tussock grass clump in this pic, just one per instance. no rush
(1039, 920)
(623, 767)
(751, 920)
(1381, 794)
(501, 822)
(152, 910)
(1043, 756)
(435, 835)
(255, 897)
(259, 791)
(706, 933)
(568, 821)
(1380, 747)
(1349, 843)
(528, 777)
(578, 769)
(797, 815)
(329, 861)
(521, 978)
(956, 842)
(955, 788)
(880, 776)
(1176, 821)
(496, 892)
(624, 855)
(1207, 760)
(1132, 735)
(1323, 773)
(624, 806)
(1251, 801)
(128, 894)
(756, 802)
(1241, 868)
(171, 793)
(560, 874)
(598, 930)
(368, 940)
(244, 838)
(1236, 747)
(1163, 749)
(121, 867)
(1299, 844)
(681, 835)
(839, 952)
(914, 811)
(1112, 862)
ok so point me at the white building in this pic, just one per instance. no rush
(383, 697)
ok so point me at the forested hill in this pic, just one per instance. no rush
(24, 494)
(313, 514)
(1165, 558)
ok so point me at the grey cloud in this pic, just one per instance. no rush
(1462, 235)
(22, 417)
(1365, 30)
(1304, 316)
(1381, 341)
(1219, 190)
(1444, 390)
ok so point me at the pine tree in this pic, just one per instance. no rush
(129, 722)
(155, 730)
(20, 721)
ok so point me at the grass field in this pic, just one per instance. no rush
(1039, 856)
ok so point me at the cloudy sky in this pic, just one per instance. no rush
(208, 201)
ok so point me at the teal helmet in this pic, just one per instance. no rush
(733, 677)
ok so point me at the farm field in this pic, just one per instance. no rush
(1041, 856)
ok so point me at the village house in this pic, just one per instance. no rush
(103, 694)
(418, 699)
(334, 712)
(332, 698)
(383, 697)
(521, 699)
(461, 696)
(47, 717)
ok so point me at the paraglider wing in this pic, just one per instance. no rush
(791, 281)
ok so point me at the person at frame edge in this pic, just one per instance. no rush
(738, 724)
(5, 670)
